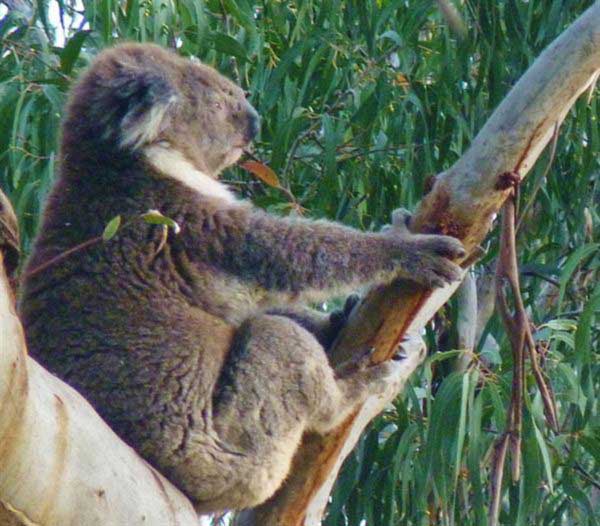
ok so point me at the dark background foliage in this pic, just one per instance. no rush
(362, 102)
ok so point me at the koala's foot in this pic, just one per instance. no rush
(363, 378)
(382, 380)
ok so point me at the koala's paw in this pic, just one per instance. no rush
(432, 264)
(426, 259)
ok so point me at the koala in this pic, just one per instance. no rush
(194, 347)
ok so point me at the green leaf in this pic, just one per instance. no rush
(154, 217)
(229, 46)
(583, 335)
(560, 325)
(592, 446)
(462, 422)
(111, 228)
(571, 265)
(71, 51)
(545, 456)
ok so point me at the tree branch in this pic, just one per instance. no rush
(462, 203)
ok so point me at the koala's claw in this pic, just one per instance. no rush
(435, 268)
(351, 302)
(439, 273)
(399, 355)
(445, 246)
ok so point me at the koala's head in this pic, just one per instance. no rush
(135, 96)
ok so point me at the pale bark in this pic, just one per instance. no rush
(60, 464)
(486, 299)
(463, 203)
(466, 323)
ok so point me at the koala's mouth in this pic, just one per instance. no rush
(244, 141)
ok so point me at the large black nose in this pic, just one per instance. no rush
(253, 124)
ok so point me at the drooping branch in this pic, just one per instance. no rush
(462, 203)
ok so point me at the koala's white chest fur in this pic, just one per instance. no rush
(172, 163)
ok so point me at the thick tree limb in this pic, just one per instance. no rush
(60, 463)
(463, 203)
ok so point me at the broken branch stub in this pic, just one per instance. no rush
(462, 203)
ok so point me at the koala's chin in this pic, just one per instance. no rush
(232, 156)
(194, 345)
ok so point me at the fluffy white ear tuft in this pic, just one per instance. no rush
(143, 127)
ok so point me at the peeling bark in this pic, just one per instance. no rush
(462, 203)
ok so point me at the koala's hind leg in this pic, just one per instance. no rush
(277, 383)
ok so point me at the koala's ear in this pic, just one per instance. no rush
(144, 97)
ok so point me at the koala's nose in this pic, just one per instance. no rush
(253, 126)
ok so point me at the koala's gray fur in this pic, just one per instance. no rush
(173, 343)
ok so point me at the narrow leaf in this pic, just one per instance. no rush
(70, 53)
(571, 265)
(154, 217)
(262, 171)
(111, 228)
(545, 456)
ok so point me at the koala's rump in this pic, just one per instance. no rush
(146, 361)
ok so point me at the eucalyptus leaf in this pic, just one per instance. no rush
(111, 228)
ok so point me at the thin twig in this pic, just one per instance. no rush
(63, 255)
(507, 269)
(537, 274)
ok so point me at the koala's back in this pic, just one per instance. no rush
(121, 320)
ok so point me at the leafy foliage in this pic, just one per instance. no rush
(362, 101)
